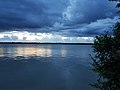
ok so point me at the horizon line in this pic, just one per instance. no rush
(9, 42)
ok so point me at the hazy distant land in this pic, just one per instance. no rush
(46, 43)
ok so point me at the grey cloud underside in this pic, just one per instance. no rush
(75, 17)
(27, 14)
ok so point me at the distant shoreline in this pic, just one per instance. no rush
(45, 43)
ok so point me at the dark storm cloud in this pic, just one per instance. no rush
(16, 13)
(84, 11)
(67, 17)
(28, 13)
(90, 29)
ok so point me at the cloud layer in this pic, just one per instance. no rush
(64, 17)
(41, 37)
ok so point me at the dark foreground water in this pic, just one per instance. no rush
(45, 67)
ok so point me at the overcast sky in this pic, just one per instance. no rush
(61, 19)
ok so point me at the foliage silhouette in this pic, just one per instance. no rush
(106, 62)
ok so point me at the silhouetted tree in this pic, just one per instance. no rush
(106, 61)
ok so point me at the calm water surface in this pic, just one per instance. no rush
(45, 67)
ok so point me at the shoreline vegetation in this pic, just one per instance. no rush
(46, 43)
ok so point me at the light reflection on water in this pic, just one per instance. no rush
(33, 51)
(1, 52)
(28, 51)
(37, 51)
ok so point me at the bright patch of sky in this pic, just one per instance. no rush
(16, 36)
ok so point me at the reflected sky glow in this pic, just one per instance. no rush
(28, 51)
(33, 51)
(1, 52)
(63, 52)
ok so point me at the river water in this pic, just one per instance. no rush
(45, 67)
